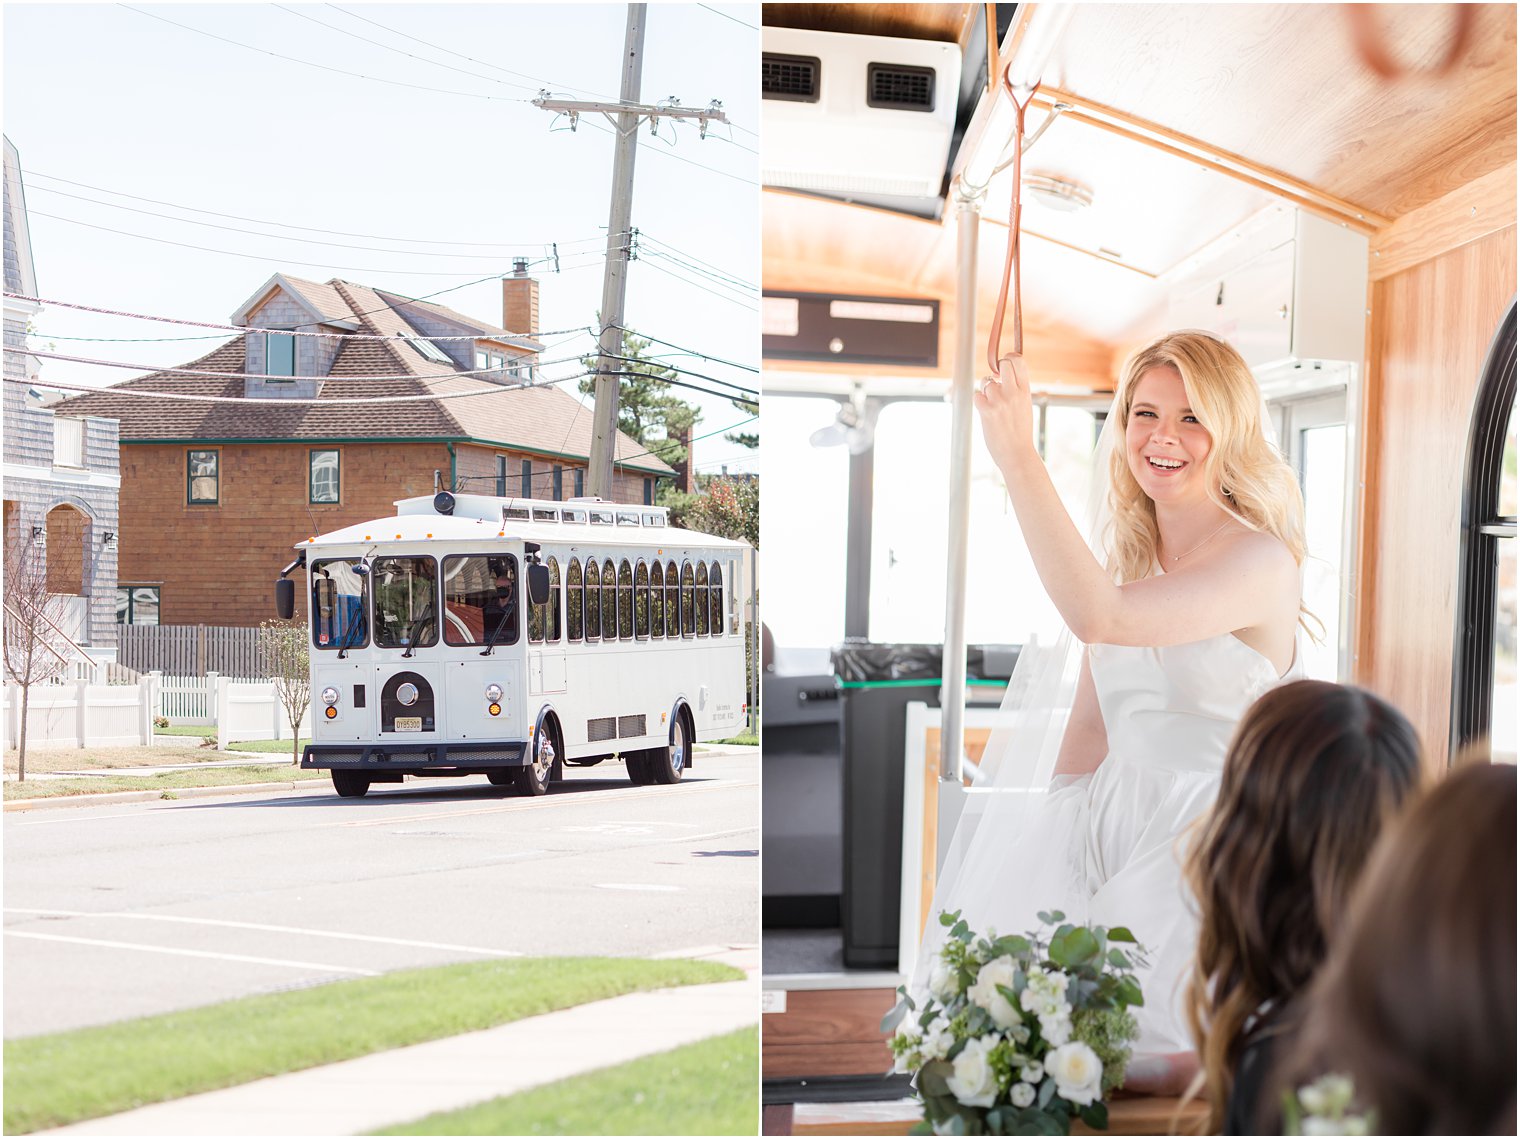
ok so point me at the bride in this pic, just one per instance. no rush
(1192, 617)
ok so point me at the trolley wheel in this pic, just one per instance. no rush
(638, 766)
(533, 779)
(501, 776)
(667, 764)
(350, 784)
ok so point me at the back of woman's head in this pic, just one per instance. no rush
(1244, 473)
(1312, 774)
(1417, 1000)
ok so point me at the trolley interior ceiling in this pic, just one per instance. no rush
(1275, 92)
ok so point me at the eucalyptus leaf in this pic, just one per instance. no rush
(1047, 1092)
(1129, 992)
(1095, 1115)
(947, 919)
(1120, 933)
(895, 1016)
(1118, 959)
(931, 1078)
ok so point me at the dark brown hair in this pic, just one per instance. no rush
(1312, 774)
(1417, 1000)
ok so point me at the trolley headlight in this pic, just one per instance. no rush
(329, 696)
(493, 693)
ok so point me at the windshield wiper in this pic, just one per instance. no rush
(506, 615)
(411, 634)
(348, 638)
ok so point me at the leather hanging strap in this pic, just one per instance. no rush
(1011, 262)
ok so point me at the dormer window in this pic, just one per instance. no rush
(486, 361)
(428, 350)
(279, 354)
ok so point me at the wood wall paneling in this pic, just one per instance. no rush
(1466, 214)
(827, 1032)
(1432, 325)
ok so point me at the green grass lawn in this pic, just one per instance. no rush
(708, 1088)
(208, 732)
(750, 738)
(164, 781)
(59, 1079)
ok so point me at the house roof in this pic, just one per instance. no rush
(541, 419)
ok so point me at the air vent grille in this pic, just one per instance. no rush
(630, 726)
(896, 87)
(602, 728)
(790, 77)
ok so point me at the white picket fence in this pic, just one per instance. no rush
(82, 714)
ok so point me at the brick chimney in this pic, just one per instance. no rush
(519, 300)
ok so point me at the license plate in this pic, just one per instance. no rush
(409, 723)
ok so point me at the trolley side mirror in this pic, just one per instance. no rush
(538, 585)
(285, 598)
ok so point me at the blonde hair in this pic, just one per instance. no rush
(1245, 475)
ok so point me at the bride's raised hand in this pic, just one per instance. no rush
(1007, 412)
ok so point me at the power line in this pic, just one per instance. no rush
(265, 256)
(461, 55)
(32, 174)
(726, 16)
(680, 384)
(694, 284)
(687, 372)
(269, 236)
(679, 158)
(321, 66)
(716, 278)
(696, 438)
(644, 235)
(290, 332)
(688, 351)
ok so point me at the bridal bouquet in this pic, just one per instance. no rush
(1018, 1035)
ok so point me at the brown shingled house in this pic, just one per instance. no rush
(215, 494)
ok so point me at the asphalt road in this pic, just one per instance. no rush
(132, 909)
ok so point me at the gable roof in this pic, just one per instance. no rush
(543, 419)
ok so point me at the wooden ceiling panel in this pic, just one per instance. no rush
(1283, 86)
(947, 23)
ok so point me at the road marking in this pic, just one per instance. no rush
(637, 886)
(273, 929)
(193, 953)
(80, 818)
(533, 804)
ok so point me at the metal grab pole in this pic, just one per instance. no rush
(952, 693)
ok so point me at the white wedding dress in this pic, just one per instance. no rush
(1169, 714)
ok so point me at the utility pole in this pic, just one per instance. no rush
(625, 116)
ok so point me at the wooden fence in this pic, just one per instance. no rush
(189, 650)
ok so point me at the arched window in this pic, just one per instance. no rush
(657, 600)
(609, 601)
(688, 611)
(700, 599)
(1483, 661)
(733, 599)
(672, 601)
(625, 601)
(554, 591)
(641, 601)
(593, 600)
(715, 606)
(574, 625)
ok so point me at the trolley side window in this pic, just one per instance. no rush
(657, 599)
(575, 628)
(715, 583)
(543, 620)
(688, 609)
(593, 600)
(480, 600)
(625, 601)
(609, 601)
(641, 601)
(406, 602)
(701, 599)
(672, 601)
(337, 606)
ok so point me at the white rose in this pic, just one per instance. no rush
(937, 1039)
(1021, 1095)
(1078, 1073)
(942, 981)
(1032, 1073)
(985, 992)
(1328, 1095)
(972, 1080)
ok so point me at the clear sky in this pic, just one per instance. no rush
(407, 142)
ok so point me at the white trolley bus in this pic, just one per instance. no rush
(472, 635)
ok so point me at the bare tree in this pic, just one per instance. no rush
(35, 647)
(286, 659)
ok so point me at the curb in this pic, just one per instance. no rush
(105, 798)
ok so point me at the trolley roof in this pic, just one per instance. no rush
(478, 517)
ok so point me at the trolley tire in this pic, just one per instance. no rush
(350, 784)
(667, 764)
(638, 766)
(533, 778)
(500, 776)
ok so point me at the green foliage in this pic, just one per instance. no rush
(1108, 1032)
(726, 506)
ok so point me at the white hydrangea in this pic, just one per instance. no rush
(937, 1041)
(943, 980)
(1021, 1095)
(1032, 1072)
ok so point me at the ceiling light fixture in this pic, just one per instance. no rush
(1057, 193)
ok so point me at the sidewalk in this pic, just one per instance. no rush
(403, 1085)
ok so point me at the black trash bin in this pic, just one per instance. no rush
(877, 682)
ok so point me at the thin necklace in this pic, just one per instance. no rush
(1212, 534)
